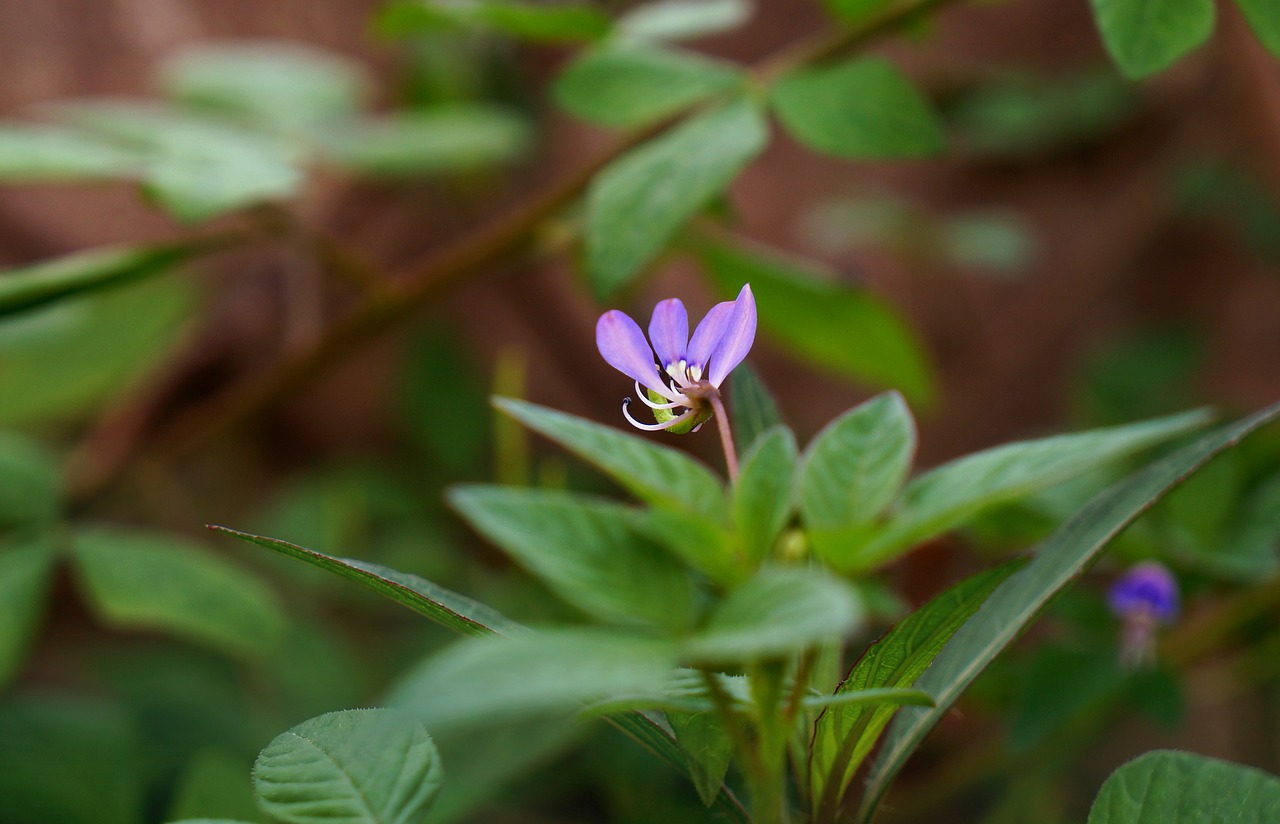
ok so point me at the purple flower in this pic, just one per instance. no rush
(1147, 592)
(682, 383)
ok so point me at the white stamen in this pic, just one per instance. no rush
(681, 400)
(654, 427)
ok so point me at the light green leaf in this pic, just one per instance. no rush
(853, 469)
(38, 284)
(627, 86)
(48, 154)
(682, 19)
(447, 139)
(864, 109)
(1145, 36)
(752, 408)
(845, 330)
(30, 483)
(275, 82)
(589, 551)
(358, 766)
(948, 495)
(862, 698)
(656, 474)
(708, 748)
(25, 575)
(1171, 787)
(1018, 600)
(449, 609)
(843, 735)
(636, 205)
(1264, 19)
(762, 498)
(157, 582)
(782, 610)
(554, 22)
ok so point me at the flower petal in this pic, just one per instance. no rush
(622, 345)
(736, 341)
(669, 331)
(705, 338)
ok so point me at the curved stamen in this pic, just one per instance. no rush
(645, 400)
(654, 427)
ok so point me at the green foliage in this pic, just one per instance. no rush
(556, 22)
(215, 783)
(25, 575)
(752, 409)
(763, 496)
(638, 203)
(443, 139)
(1145, 36)
(361, 766)
(1168, 787)
(681, 19)
(50, 154)
(863, 109)
(856, 11)
(707, 745)
(1264, 19)
(30, 484)
(628, 85)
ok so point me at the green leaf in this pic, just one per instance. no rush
(1145, 36)
(360, 766)
(589, 551)
(30, 483)
(845, 330)
(279, 83)
(25, 576)
(636, 205)
(627, 86)
(948, 495)
(863, 109)
(48, 281)
(447, 139)
(487, 680)
(682, 19)
(893, 696)
(856, 11)
(1170, 787)
(1018, 600)
(1251, 549)
(762, 498)
(844, 735)
(708, 748)
(140, 581)
(538, 22)
(751, 407)
(853, 469)
(1264, 19)
(656, 474)
(782, 610)
(214, 783)
(457, 612)
(49, 154)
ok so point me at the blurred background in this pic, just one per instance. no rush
(1086, 251)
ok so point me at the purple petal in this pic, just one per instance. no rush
(669, 331)
(622, 345)
(1147, 589)
(736, 342)
(707, 335)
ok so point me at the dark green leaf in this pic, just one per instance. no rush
(626, 86)
(843, 329)
(553, 22)
(44, 154)
(682, 19)
(636, 205)
(30, 483)
(215, 783)
(1264, 19)
(863, 109)
(843, 736)
(708, 748)
(1170, 787)
(1017, 601)
(751, 408)
(446, 608)
(1145, 36)
(359, 766)
(140, 581)
(25, 576)
(453, 139)
(763, 494)
(856, 11)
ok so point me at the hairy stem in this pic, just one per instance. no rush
(726, 437)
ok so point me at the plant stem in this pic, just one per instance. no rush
(726, 437)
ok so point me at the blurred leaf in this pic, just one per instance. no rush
(25, 577)
(1217, 190)
(60, 360)
(30, 483)
(553, 22)
(864, 109)
(843, 736)
(856, 11)
(488, 680)
(946, 496)
(158, 582)
(752, 408)
(840, 328)
(361, 766)
(627, 86)
(1140, 376)
(276, 82)
(682, 19)
(1060, 684)
(708, 748)
(1018, 600)
(1145, 36)
(638, 203)
(990, 242)
(853, 469)
(1264, 19)
(762, 497)
(69, 760)
(445, 139)
(1248, 549)
(1170, 787)
(215, 783)
(656, 474)
(49, 154)
(781, 611)
(457, 612)
(589, 551)
(42, 283)
(445, 404)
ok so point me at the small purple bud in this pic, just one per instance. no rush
(1147, 591)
